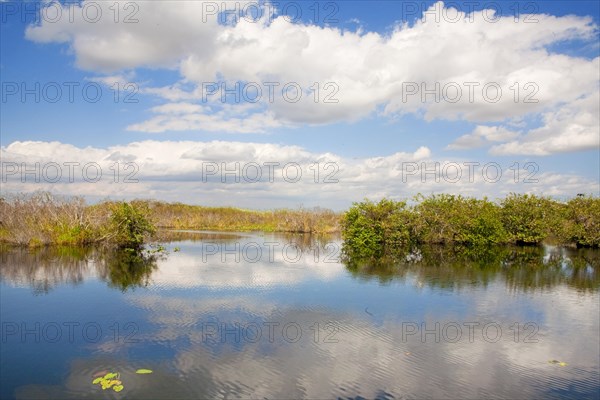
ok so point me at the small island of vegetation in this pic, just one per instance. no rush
(388, 228)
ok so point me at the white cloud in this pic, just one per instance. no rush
(152, 34)
(115, 81)
(372, 71)
(572, 127)
(195, 117)
(178, 108)
(264, 175)
(481, 135)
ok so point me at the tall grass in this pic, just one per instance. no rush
(183, 216)
(42, 219)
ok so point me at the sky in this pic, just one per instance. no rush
(300, 103)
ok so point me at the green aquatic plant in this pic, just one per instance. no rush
(112, 380)
(108, 381)
(561, 363)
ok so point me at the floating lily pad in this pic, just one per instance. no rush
(143, 371)
(118, 388)
(108, 381)
(561, 363)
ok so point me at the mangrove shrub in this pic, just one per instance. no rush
(448, 218)
(581, 221)
(527, 218)
(130, 224)
(375, 229)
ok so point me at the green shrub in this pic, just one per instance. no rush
(483, 225)
(130, 224)
(581, 222)
(527, 218)
(375, 229)
(448, 218)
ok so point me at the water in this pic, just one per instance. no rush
(276, 316)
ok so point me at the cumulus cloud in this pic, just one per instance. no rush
(573, 127)
(146, 34)
(264, 175)
(464, 67)
(481, 135)
(186, 116)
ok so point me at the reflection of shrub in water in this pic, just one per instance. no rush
(44, 268)
(454, 267)
(125, 269)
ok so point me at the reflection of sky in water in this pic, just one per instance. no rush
(367, 354)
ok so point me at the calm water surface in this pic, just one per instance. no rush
(276, 316)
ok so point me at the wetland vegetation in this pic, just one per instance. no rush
(44, 219)
(369, 229)
(389, 228)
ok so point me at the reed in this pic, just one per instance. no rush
(42, 219)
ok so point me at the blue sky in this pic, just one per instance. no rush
(370, 50)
